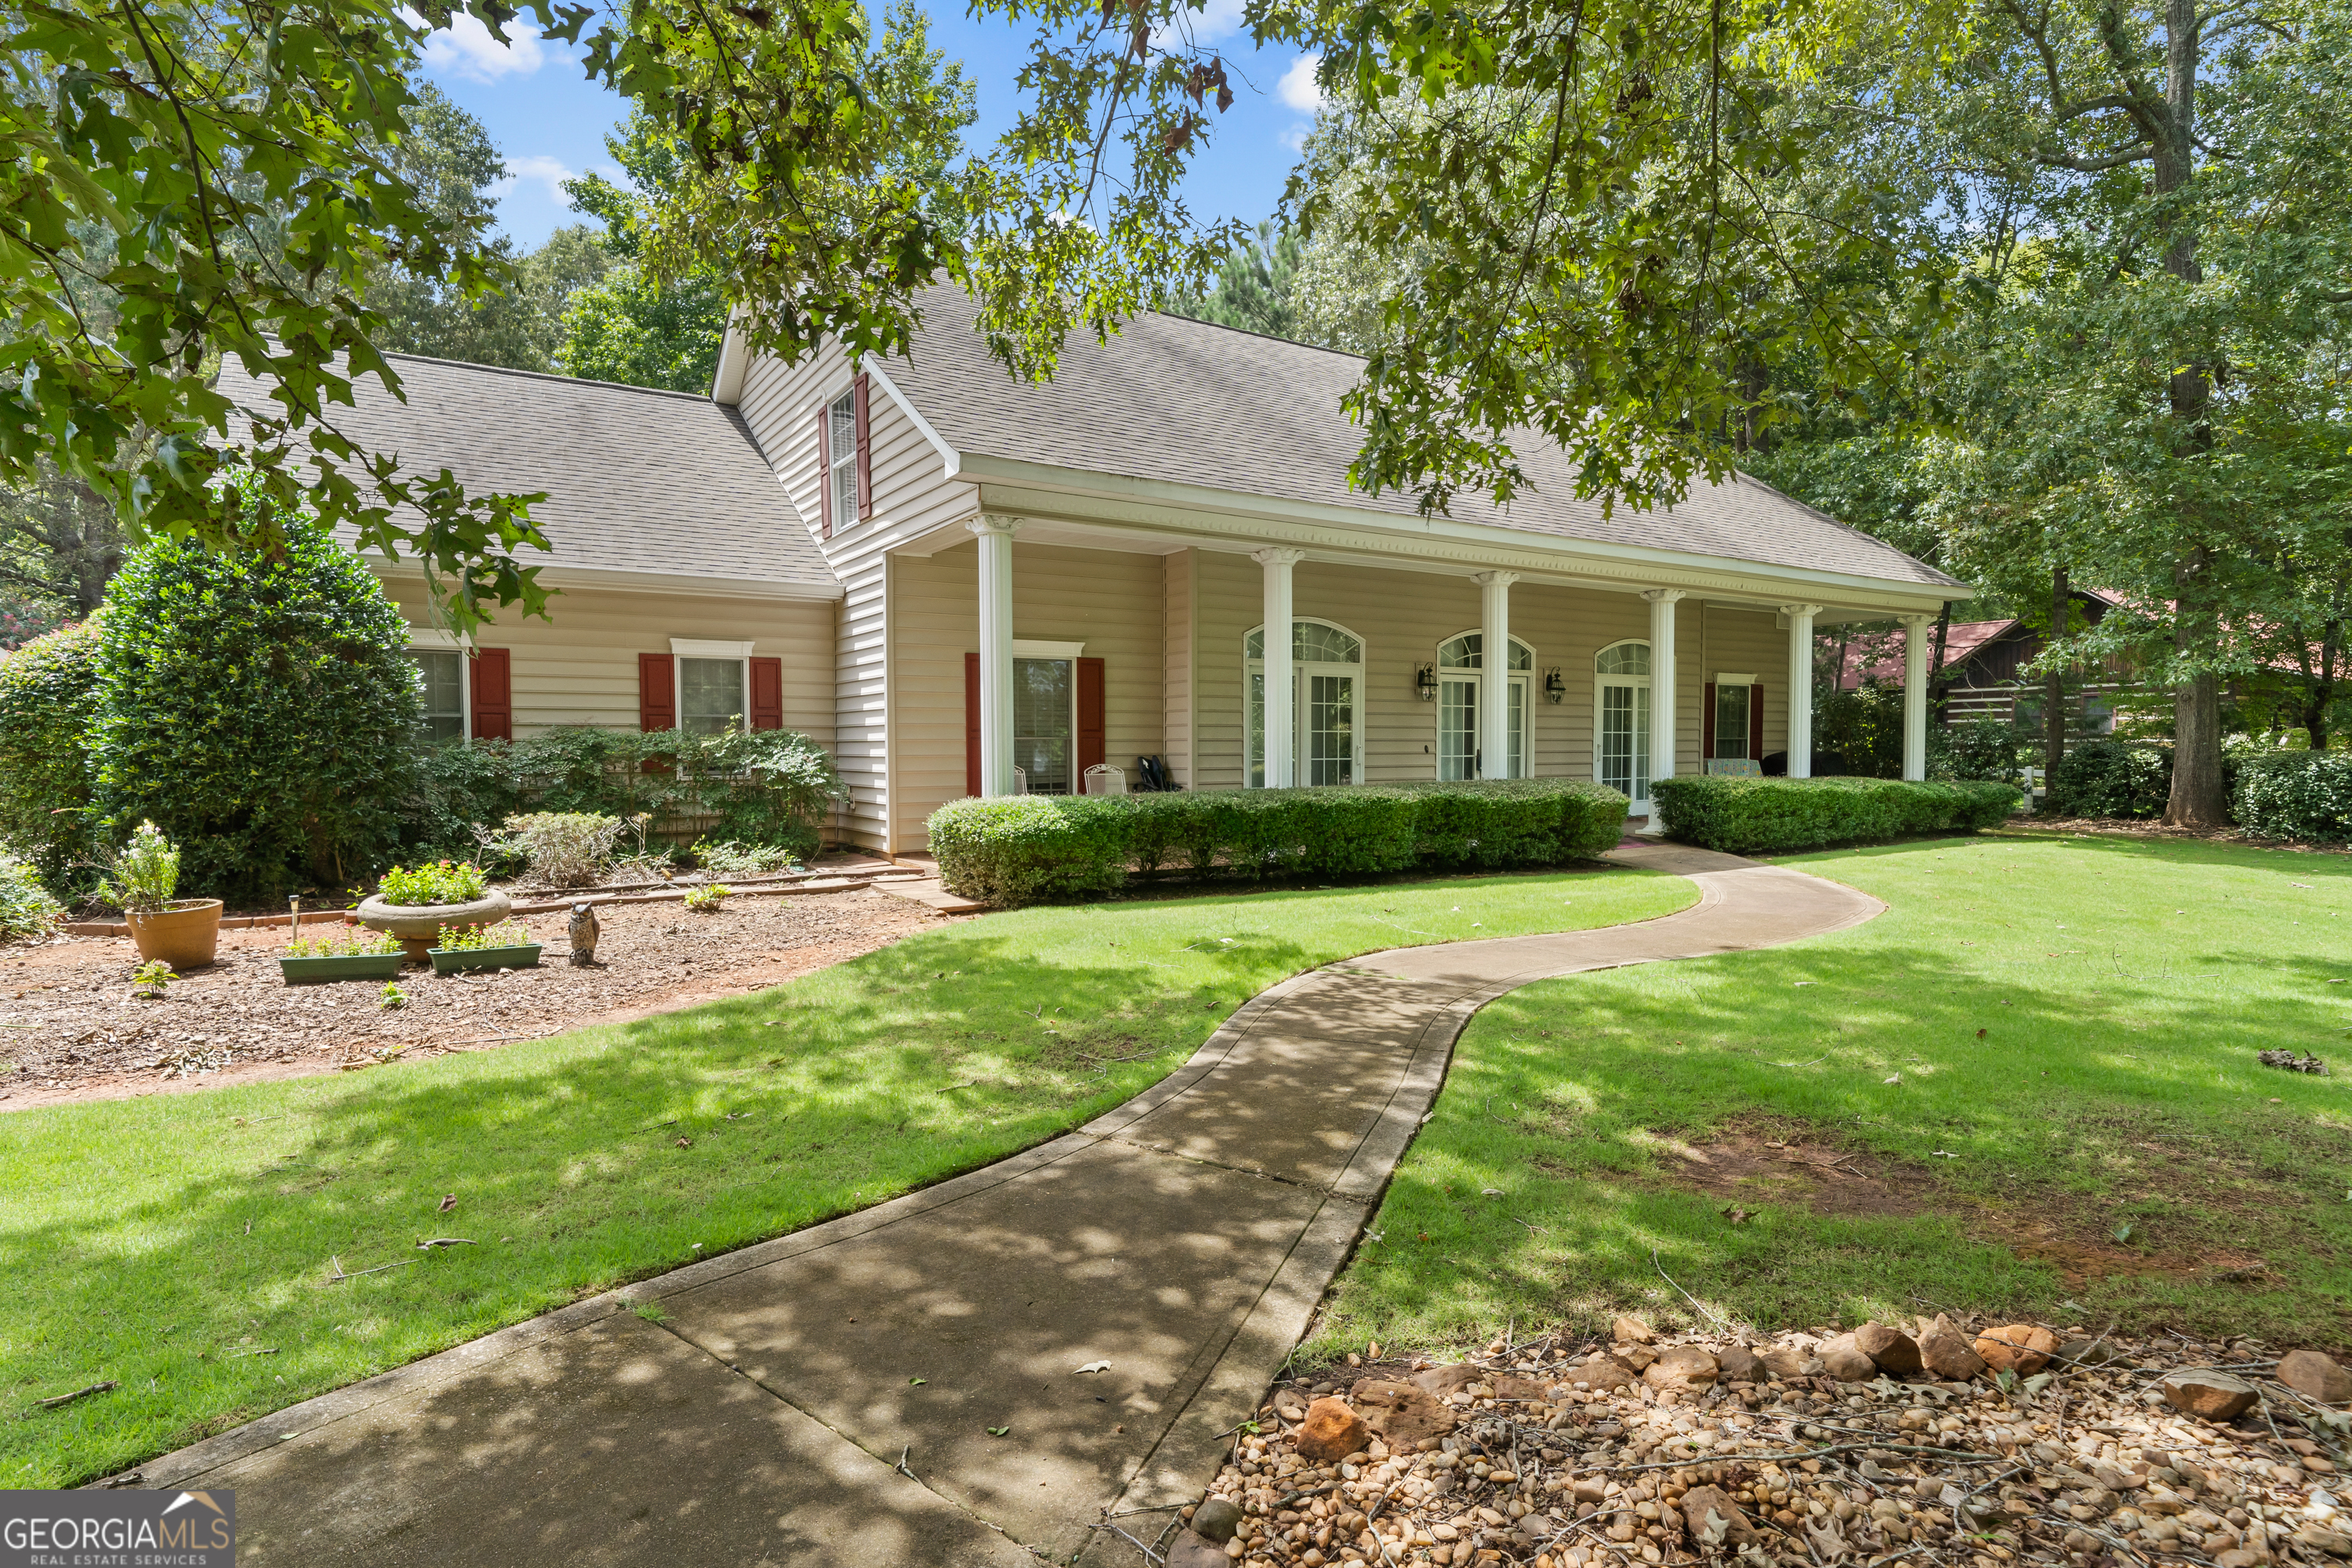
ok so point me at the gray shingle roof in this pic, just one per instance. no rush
(1190, 403)
(664, 483)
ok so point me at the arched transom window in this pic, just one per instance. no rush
(1620, 729)
(1326, 705)
(1459, 660)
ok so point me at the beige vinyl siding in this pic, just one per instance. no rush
(580, 667)
(1108, 600)
(913, 495)
(1750, 643)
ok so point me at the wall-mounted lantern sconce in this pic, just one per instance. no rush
(1424, 681)
(1555, 689)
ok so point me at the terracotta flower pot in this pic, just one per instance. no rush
(418, 926)
(184, 933)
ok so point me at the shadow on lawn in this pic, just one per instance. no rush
(1564, 1096)
(566, 1162)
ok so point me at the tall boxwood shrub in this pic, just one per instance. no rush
(2294, 795)
(48, 700)
(258, 707)
(1743, 815)
(2107, 778)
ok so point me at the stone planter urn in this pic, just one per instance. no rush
(183, 933)
(418, 926)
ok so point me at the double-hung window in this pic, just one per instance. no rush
(1731, 705)
(841, 459)
(441, 678)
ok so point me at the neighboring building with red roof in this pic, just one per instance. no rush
(1982, 669)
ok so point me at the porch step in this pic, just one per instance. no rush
(929, 893)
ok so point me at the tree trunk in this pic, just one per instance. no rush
(1938, 695)
(2198, 799)
(2054, 691)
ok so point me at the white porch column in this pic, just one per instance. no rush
(1801, 688)
(1494, 673)
(1281, 724)
(995, 536)
(1661, 691)
(1916, 632)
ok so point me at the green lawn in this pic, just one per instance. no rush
(181, 1245)
(2075, 1019)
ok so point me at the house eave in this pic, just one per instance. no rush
(1224, 518)
(691, 584)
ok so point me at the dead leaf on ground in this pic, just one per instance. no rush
(448, 1202)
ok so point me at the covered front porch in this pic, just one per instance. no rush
(1033, 640)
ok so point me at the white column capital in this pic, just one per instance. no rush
(1278, 556)
(1494, 579)
(1917, 623)
(992, 522)
(1800, 612)
(1664, 595)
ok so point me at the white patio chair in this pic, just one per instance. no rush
(1021, 780)
(1104, 779)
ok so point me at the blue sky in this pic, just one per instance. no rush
(551, 123)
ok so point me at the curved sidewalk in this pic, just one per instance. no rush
(772, 1414)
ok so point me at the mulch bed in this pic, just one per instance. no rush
(72, 1026)
(2132, 827)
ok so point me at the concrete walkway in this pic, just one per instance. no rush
(759, 1415)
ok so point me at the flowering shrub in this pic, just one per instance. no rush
(437, 882)
(143, 873)
(26, 911)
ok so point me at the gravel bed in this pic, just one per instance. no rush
(72, 1025)
(1528, 1454)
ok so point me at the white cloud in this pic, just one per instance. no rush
(1297, 86)
(552, 171)
(464, 48)
(1213, 23)
(1296, 138)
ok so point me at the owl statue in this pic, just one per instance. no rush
(584, 934)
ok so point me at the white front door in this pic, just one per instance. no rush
(1457, 726)
(1624, 739)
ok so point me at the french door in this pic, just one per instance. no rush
(1624, 736)
(1457, 726)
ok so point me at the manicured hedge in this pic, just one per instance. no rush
(2108, 778)
(1738, 815)
(2294, 795)
(1020, 849)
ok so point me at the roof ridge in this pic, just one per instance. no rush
(1262, 337)
(1842, 526)
(548, 375)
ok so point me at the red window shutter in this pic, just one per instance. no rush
(491, 671)
(767, 694)
(1092, 731)
(1756, 721)
(824, 470)
(1705, 725)
(864, 455)
(971, 724)
(657, 692)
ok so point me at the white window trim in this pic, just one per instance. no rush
(1521, 680)
(1298, 669)
(1033, 647)
(1599, 681)
(1725, 677)
(424, 639)
(683, 648)
(833, 464)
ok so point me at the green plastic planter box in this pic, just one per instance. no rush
(445, 962)
(340, 966)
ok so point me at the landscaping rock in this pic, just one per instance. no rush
(1785, 1361)
(1216, 1520)
(1523, 1388)
(2086, 1351)
(2319, 1538)
(1700, 1501)
(1946, 1352)
(1445, 1382)
(1740, 1363)
(1896, 1353)
(1402, 1414)
(1680, 1368)
(2021, 1348)
(2316, 1376)
(1846, 1361)
(1290, 1404)
(1630, 1332)
(2211, 1395)
(1638, 1357)
(1602, 1373)
(1331, 1431)
(1190, 1550)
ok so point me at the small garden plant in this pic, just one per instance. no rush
(152, 977)
(708, 899)
(143, 873)
(437, 882)
(392, 998)
(27, 912)
(730, 859)
(478, 938)
(562, 848)
(360, 942)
